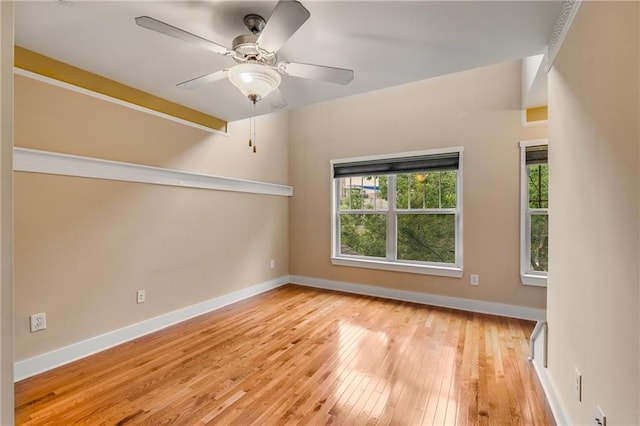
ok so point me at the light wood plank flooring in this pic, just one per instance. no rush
(303, 356)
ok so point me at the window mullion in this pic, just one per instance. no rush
(392, 228)
(528, 242)
(337, 188)
(541, 211)
(440, 189)
(408, 191)
(458, 217)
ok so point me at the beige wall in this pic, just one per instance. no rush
(84, 246)
(593, 150)
(477, 109)
(6, 181)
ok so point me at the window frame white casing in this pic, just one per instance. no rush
(386, 264)
(528, 277)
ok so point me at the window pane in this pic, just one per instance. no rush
(362, 192)
(427, 237)
(539, 242)
(426, 190)
(448, 181)
(538, 186)
(403, 185)
(363, 234)
(373, 198)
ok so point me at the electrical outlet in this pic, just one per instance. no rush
(475, 279)
(272, 264)
(38, 322)
(577, 384)
(141, 296)
(600, 419)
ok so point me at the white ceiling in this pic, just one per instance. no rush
(385, 43)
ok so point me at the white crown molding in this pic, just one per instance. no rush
(47, 361)
(563, 24)
(82, 90)
(470, 305)
(35, 161)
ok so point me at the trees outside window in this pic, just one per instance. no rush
(411, 217)
(534, 189)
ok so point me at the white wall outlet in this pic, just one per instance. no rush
(600, 419)
(475, 279)
(577, 384)
(272, 264)
(38, 322)
(141, 296)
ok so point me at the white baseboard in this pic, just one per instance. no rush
(47, 361)
(425, 298)
(557, 408)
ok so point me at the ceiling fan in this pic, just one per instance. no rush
(257, 72)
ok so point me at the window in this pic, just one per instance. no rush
(534, 221)
(401, 212)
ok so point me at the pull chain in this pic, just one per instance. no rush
(252, 122)
(254, 128)
(250, 125)
(253, 125)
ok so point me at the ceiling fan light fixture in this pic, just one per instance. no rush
(255, 81)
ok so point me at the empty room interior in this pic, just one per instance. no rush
(354, 212)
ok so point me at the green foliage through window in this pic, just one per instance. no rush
(363, 234)
(539, 242)
(538, 203)
(538, 186)
(427, 237)
(433, 190)
(425, 220)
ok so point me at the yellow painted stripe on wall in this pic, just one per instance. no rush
(43, 65)
(537, 114)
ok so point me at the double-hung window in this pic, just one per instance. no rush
(534, 217)
(400, 212)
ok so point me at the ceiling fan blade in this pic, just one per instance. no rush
(284, 21)
(194, 83)
(276, 99)
(166, 29)
(316, 72)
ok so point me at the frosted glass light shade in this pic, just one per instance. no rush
(254, 79)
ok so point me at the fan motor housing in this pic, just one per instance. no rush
(246, 50)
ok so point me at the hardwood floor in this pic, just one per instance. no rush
(303, 356)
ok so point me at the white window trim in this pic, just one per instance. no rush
(455, 271)
(533, 278)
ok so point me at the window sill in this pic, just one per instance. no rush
(534, 280)
(442, 271)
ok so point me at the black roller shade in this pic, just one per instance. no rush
(445, 161)
(537, 154)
